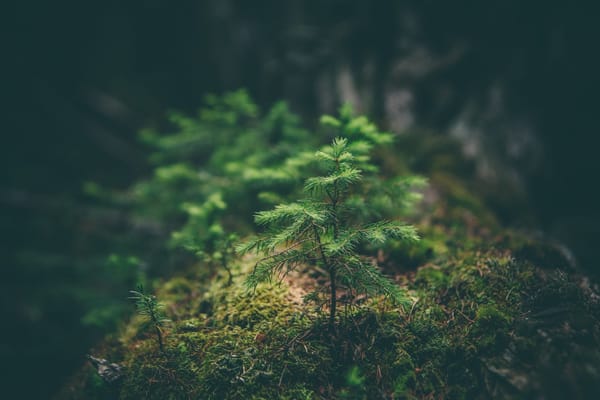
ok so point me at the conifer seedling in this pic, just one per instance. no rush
(204, 235)
(152, 310)
(321, 231)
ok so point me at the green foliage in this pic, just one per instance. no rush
(209, 173)
(152, 311)
(216, 169)
(319, 230)
(204, 235)
(355, 381)
(388, 195)
(228, 148)
(479, 317)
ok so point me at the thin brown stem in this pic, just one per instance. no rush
(332, 279)
(160, 339)
(226, 268)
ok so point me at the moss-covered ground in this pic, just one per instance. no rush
(495, 314)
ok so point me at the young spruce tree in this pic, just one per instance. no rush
(320, 231)
(152, 311)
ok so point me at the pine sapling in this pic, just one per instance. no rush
(152, 311)
(225, 253)
(205, 236)
(320, 231)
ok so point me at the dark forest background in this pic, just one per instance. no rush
(516, 82)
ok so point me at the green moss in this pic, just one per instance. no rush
(247, 309)
(159, 375)
(490, 328)
(488, 304)
(432, 278)
(404, 373)
(467, 310)
(467, 316)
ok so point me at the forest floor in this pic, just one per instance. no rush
(495, 313)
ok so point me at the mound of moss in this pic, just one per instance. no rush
(486, 321)
(493, 313)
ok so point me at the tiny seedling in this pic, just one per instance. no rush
(152, 310)
(320, 231)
